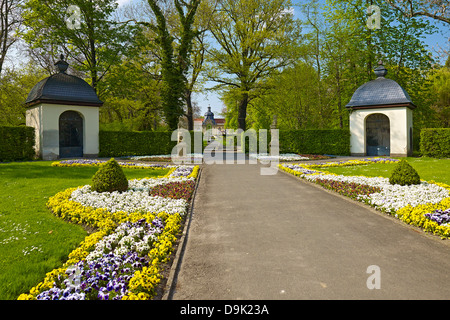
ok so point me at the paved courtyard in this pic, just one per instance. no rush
(277, 237)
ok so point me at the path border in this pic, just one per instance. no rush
(171, 282)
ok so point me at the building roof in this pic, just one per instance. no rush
(381, 92)
(209, 116)
(62, 88)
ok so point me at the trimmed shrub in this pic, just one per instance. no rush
(16, 143)
(137, 143)
(335, 141)
(435, 143)
(109, 178)
(403, 174)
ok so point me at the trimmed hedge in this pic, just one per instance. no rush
(335, 142)
(17, 143)
(435, 143)
(136, 143)
(119, 144)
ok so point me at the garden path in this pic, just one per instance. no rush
(277, 237)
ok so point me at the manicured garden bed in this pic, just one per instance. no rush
(286, 157)
(132, 237)
(430, 169)
(32, 240)
(413, 204)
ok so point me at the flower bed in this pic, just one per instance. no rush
(168, 157)
(174, 190)
(349, 189)
(415, 204)
(123, 259)
(94, 162)
(286, 157)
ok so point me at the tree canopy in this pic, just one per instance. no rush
(298, 63)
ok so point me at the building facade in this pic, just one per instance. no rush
(64, 110)
(381, 118)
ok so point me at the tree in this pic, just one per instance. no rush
(92, 39)
(293, 99)
(354, 49)
(15, 84)
(174, 63)
(441, 91)
(10, 22)
(435, 9)
(254, 39)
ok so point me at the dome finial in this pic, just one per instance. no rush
(380, 71)
(61, 64)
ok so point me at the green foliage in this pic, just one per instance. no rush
(350, 52)
(15, 84)
(17, 143)
(336, 142)
(26, 222)
(404, 174)
(174, 64)
(429, 169)
(441, 91)
(294, 98)
(95, 45)
(109, 178)
(142, 143)
(138, 143)
(255, 40)
(435, 142)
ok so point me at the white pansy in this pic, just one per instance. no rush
(136, 198)
(125, 238)
(394, 197)
(391, 197)
(281, 157)
(129, 201)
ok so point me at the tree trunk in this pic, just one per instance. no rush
(242, 112)
(189, 113)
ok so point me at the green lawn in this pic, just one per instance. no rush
(428, 169)
(32, 240)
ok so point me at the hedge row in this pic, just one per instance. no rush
(16, 143)
(120, 143)
(136, 143)
(435, 143)
(113, 143)
(335, 142)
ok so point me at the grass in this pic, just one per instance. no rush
(428, 169)
(32, 240)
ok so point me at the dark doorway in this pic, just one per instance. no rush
(378, 135)
(70, 135)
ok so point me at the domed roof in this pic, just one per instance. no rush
(209, 115)
(62, 88)
(380, 92)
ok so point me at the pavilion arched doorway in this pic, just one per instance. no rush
(378, 135)
(70, 135)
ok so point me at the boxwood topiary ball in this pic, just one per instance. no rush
(403, 174)
(109, 178)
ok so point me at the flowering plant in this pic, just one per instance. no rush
(96, 163)
(424, 205)
(122, 260)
